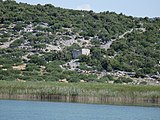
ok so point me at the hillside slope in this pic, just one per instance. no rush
(37, 41)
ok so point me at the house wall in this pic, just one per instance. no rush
(85, 51)
(77, 53)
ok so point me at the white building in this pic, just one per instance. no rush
(77, 53)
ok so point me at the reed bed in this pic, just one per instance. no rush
(80, 92)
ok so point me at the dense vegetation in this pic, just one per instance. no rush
(80, 92)
(137, 51)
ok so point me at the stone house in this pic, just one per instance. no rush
(77, 53)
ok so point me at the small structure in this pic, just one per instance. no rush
(77, 53)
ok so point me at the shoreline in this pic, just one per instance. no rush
(90, 93)
(84, 100)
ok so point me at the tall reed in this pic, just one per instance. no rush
(81, 92)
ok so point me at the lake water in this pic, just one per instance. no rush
(31, 110)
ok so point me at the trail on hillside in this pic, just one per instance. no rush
(109, 43)
(7, 44)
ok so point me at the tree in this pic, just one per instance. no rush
(18, 27)
(37, 60)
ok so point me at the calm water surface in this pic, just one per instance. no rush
(30, 110)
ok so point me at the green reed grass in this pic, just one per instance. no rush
(78, 89)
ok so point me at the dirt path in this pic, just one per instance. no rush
(7, 44)
(109, 43)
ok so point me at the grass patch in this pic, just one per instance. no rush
(79, 89)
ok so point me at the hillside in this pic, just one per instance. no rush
(37, 44)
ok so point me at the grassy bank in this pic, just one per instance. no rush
(81, 92)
